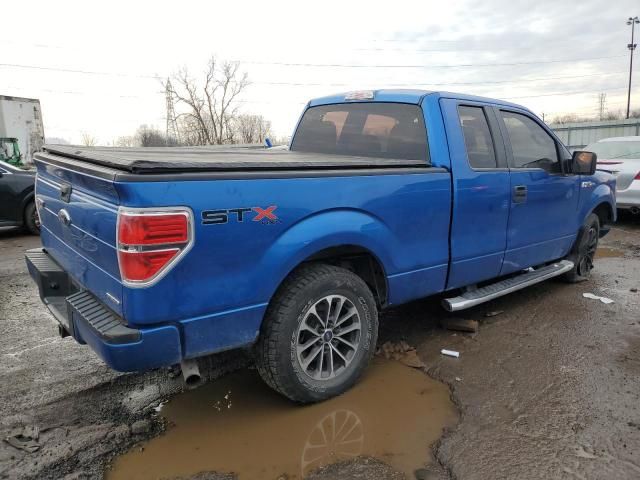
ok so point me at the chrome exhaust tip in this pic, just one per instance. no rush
(191, 373)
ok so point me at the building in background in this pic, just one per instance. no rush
(21, 119)
(579, 135)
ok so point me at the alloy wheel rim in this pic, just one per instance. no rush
(590, 244)
(36, 219)
(328, 337)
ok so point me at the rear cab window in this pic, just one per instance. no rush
(364, 129)
(477, 137)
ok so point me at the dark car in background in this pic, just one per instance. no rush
(17, 206)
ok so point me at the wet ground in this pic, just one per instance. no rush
(547, 388)
(238, 424)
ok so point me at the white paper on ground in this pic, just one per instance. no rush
(604, 300)
(450, 353)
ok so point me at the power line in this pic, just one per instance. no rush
(415, 84)
(70, 70)
(345, 65)
(562, 93)
(333, 65)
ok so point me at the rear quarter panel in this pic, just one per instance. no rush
(237, 266)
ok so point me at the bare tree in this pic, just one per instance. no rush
(88, 140)
(150, 137)
(126, 141)
(211, 107)
(252, 128)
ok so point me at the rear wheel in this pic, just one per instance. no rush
(584, 250)
(318, 335)
(31, 218)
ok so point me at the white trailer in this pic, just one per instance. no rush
(21, 118)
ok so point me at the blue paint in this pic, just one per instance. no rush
(430, 232)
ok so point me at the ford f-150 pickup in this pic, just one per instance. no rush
(157, 256)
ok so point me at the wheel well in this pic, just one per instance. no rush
(361, 262)
(604, 213)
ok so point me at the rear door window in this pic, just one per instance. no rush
(381, 130)
(477, 137)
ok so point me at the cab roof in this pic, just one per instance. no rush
(407, 96)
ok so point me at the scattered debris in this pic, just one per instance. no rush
(633, 290)
(159, 407)
(422, 474)
(460, 324)
(458, 379)
(450, 353)
(582, 453)
(141, 426)
(411, 359)
(402, 352)
(604, 300)
(25, 438)
(493, 313)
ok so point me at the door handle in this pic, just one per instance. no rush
(519, 193)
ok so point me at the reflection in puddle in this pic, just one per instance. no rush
(237, 424)
(605, 252)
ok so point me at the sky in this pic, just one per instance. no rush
(97, 66)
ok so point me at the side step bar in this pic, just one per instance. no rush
(475, 297)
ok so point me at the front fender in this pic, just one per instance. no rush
(324, 230)
(602, 193)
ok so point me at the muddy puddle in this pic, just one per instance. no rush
(608, 252)
(237, 424)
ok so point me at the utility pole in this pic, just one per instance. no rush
(602, 100)
(172, 124)
(632, 46)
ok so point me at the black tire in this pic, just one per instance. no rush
(584, 250)
(277, 350)
(31, 219)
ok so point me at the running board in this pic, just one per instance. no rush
(475, 297)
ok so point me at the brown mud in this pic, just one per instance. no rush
(239, 425)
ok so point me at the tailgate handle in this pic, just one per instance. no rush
(65, 192)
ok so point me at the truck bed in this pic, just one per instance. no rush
(152, 160)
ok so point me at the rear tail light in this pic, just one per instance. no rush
(637, 177)
(151, 242)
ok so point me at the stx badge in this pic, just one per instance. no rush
(266, 216)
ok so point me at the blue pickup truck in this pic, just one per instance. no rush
(155, 257)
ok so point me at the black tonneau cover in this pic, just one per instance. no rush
(218, 158)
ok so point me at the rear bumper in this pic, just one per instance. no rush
(81, 315)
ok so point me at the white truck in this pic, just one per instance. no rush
(21, 129)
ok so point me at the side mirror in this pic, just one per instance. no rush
(583, 163)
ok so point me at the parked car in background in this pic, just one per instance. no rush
(621, 157)
(17, 206)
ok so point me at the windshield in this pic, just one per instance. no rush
(624, 149)
(381, 130)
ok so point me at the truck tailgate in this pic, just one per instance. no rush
(78, 215)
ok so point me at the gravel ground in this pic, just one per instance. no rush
(546, 389)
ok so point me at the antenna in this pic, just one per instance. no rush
(172, 124)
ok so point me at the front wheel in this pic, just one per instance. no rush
(584, 250)
(318, 335)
